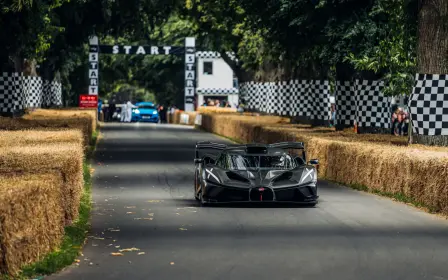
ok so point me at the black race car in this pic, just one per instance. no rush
(254, 173)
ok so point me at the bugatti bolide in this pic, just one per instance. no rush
(254, 173)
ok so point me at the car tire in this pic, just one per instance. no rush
(195, 185)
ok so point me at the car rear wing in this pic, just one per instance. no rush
(208, 145)
(287, 145)
(217, 146)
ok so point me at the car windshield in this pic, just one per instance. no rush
(146, 107)
(245, 162)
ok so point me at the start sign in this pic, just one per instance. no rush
(88, 101)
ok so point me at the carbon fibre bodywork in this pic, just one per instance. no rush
(217, 183)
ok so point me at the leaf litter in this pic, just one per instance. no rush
(129, 250)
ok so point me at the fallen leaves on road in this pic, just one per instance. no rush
(129, 207)
(116, 247)
(130, 213)
(148, 219)
(129, 250)
(77, 261)
(98, 238)
(151, 214)
(141, 253)
(171, 263)
(154, 201)
(183, 229)
(138, 219)
(178, 214)
(116, 254)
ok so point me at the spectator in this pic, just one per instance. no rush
(112, 109)
(332, 115)
(394, 121)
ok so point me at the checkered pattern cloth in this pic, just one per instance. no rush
(429, 105)
(32, 87)
(217, 91)
(345, 98)
(372, 107)
(211, 54)
(11, 93)
(51, 94)
(294, 98)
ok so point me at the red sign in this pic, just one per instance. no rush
(88, 101)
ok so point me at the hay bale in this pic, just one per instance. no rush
(31, 216)
(49, 123)
(33, 137)
(67, 159)
(91, 114)
(379, 162)
(212, 109)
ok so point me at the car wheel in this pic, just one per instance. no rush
(196, 186)
(201, 199)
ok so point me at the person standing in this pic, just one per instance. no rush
(112, 109)
(129, 107)
(123, 113)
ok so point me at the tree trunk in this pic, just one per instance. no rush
(240, 73)
(29, 68)
(432, 51)
(432, 47)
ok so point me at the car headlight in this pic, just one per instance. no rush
(308, 176)
(137, 111)
(154, 113)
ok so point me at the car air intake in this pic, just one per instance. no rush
(237, 177)
(284, 177)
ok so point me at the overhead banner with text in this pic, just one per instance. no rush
(189, 50)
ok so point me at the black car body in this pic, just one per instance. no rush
(255, 173)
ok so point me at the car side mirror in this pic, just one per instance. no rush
(314, 161)
(198, 160)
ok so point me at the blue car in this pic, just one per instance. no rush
(145, 112)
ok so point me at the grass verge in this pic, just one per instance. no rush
(75, 234)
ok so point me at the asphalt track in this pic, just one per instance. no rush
(349, 235)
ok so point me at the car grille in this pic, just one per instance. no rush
(266, 195)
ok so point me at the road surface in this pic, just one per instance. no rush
(145, 171)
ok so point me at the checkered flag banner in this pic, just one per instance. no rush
(345, 99)
(217, 91)
(372, 107)
(429, 105)
(52, 94)
(32, 87)
(12, 99)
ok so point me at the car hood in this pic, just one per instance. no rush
(262, 178)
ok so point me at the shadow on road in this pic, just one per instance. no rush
(194, 203)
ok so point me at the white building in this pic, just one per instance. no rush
(215, 79)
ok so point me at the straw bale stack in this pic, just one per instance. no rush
(213, 109)
(33, 137)
(378, 162)
(66, 159)
(67, 112)
(49, 123)
(31, 216)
